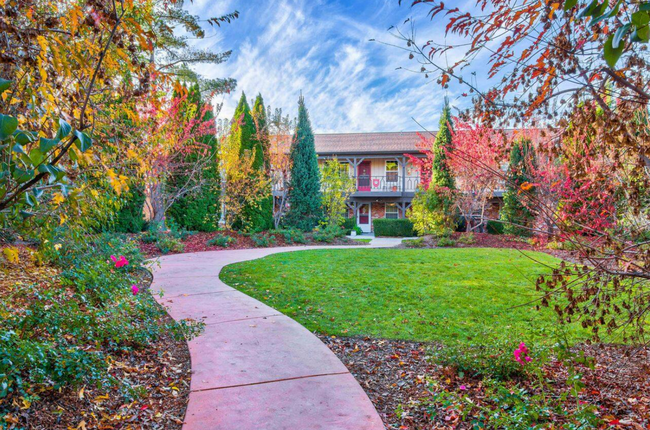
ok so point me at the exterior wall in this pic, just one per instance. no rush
(493, 208)
(378, 210)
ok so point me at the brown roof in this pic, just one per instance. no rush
(363, 143)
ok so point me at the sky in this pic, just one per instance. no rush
(322, 49)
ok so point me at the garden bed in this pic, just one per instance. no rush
(487, 240)
(401, 379)
(198, 242)
(155, 380)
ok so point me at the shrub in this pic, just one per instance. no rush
(293, 235)
(222, 240)
(489, 360)
(446, 242)
(349, 224)
(393, 227)
(168, 243)
(494, 227)
(414, 243)
(130, 218)
(328, 234)
(512, 406)
(467, 239)
(72, 325)
(150, 236)
(263, 240)
(562, 245)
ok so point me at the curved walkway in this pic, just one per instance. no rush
(254, 368)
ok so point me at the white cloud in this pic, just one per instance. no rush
(283, 47)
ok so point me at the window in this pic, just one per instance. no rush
(391, 171)
(345, 168)
(392, 211)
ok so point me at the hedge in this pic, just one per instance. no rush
(393, 227)
(349, 224)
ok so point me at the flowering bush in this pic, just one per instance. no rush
(521, 354)
(64, 332)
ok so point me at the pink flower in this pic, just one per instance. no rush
(463, 388)
(135, 289)
(120, 262)
(521, 354)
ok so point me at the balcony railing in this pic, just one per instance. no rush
(365, 183)
(387, 184)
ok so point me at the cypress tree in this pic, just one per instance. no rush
(304, 188)
(262, 216)
(257, 216)
(261, 125)
(432, 210)
(200, 210)
(440, 172)
(515, 215)
(242, 130)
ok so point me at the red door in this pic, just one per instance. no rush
(363, 176)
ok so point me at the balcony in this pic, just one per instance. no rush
(389, 185)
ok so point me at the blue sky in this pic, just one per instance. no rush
(322, 48)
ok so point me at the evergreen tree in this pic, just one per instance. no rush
(258, 214)
(516, 216)
(199, 210)
(130, 217)
(432, 210)
(262, 216)
(262, 127)
(304, 188)
(441, 175)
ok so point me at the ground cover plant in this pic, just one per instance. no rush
(78, 323)
(429, 295)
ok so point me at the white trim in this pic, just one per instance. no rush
(386, 210)
(392, 171)
(366, 228)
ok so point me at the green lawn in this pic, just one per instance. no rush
(363, 240)
(470, 295)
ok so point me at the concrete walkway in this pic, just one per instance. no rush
(254, 368)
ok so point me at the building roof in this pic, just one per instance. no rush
(365, 143)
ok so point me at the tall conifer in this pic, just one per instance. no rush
(304, 188)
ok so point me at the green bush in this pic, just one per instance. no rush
(349, 225)
(71, 325)
(467, 239)
(511, 406)
(150, 236)
(490, 360)
(562, 245)
(293, 235)
(393, 227)
(130, 218)
(168, 243)
(446, 242)
(414, 243)
(328, 233)
(494, 227)
(222, 240)
(263, 240)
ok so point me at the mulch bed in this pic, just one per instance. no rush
(198, 242)
(396, 376)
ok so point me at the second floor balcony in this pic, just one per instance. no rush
(389, 184)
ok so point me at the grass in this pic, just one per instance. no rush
(470, 295)
(363, 240)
